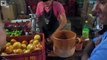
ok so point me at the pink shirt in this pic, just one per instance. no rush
(57, 8)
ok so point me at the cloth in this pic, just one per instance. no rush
(95, 39)
(57, 8)
(103, 30)
(51, 25)
(99, 52)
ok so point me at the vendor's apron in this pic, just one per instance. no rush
(48, 26)
(49, 23)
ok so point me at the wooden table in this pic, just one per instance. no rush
(76, 56)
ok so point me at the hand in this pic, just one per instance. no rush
(52, 36)
(49, 40)
(29, 24)
(98, 42)
(84, 57)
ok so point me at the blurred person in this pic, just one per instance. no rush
(53, 14)
(97, 10)
(3, 35)
(2, 32)
(96, 49)
(0, 12)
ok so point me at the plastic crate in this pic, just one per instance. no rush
(35, 55)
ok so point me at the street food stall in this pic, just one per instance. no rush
(23, 44)
(16, 32)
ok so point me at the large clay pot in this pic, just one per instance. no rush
(64, 43)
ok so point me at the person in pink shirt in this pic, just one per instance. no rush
(53, 14)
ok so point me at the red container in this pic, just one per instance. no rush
(35, 55)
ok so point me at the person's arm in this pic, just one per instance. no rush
(62, 17)
(84, 13)
(39, 8)
(3, 36)
(87, 51)
(62, 21)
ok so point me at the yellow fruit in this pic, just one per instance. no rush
(24, 42)
(14, 51)
(27, 51)
(39, 46)
(35, 42)
(18, 51)
(37, 37)
(31, 41)
(13, 41)
(37, 49)
(17, 45)
(30, 47)
(8, 44)
(9, 49)
(24, 50)
(23, 46)
(4, 54)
